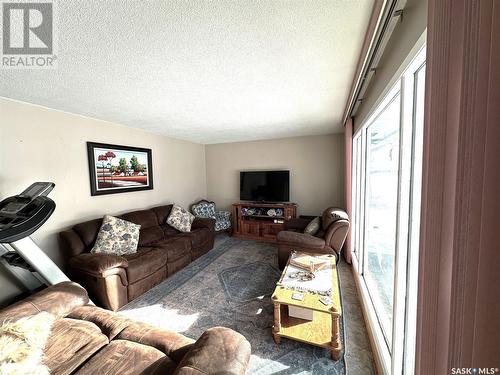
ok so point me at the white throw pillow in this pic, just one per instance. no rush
(22, 343)
(180, 219)
(116, 236)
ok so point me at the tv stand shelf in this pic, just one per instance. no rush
(264, 216)
(261, 221)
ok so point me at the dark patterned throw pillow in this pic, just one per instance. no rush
(116, 236)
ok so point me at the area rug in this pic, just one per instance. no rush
(231, 286)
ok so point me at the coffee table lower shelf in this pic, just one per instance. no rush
(322, 331)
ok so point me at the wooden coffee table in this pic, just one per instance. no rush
(323, 330)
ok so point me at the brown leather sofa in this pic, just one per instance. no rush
(112, 281)
(89, 340)
(329, 239)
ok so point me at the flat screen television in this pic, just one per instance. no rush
(267, 186)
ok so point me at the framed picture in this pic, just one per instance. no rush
(119, 169)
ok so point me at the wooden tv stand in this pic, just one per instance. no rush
(254, 221)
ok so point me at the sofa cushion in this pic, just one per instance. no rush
(180, 219)
(110, 323)
(116, 236)
(71, 343)
(198, 237)
(149, 235)
(162, 212)
(71, 243)
(174, 247)
(300, 239)
(127, 357)
(320, 234)
(177, 265)
(144, 218)
(168, 231)
(88, 231)
(200, 222)
(174, 344)
(145, 262)
(140, 287)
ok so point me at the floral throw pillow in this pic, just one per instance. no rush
(205, 210)
(180, 219)
(116, 236)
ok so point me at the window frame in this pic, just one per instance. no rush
(400, 359)
(389, 99)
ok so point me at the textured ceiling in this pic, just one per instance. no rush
(204, 71)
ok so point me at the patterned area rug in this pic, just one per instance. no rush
(231, 286)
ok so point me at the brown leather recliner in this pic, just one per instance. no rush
(111, 280)
(329, 239)
(89, 340)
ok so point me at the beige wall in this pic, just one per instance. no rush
(405, 42)
(316, 165)
(40, 144)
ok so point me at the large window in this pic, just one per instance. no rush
(381, 206)
(387, 163)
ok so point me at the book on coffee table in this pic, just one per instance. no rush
(308, 263)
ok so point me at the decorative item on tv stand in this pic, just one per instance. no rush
(261, 221)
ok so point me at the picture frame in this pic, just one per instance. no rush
(119, 169)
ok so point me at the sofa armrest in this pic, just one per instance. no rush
(202, 222)
(218, 351)
(59, 299)
(297, 224)
(300, 239)
(97, 264)
(103, 275)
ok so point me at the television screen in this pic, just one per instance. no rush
(269, 186)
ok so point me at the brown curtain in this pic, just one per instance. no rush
(348, 186)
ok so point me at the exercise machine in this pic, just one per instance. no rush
(20, 216)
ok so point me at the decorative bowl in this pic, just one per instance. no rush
(271, 212)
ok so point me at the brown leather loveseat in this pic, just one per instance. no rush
(112, 281)
(329, 239)
(89, 340)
